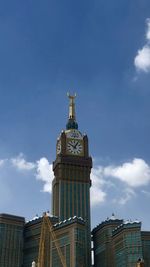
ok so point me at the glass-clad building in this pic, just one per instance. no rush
(118, 243)
(71, 237)
(102, 240)
(127, 244)
(11, 240)
(145, 235)
(32, 236)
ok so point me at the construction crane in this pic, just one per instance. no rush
(47, 225)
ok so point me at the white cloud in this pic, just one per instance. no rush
(146, 193)
(142, 59)
(127, 194)
(148, 29)
(97, 194)
(135, 173)
(21, 164)
(44, 172)
(2, 162)
(42, 169)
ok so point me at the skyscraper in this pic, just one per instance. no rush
(70, 221)
(72, 167)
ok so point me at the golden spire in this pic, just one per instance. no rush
(72, 114)
(71, 124)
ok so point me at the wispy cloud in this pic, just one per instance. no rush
(21, 164)
(146, 193)
(127, 194)
(2, 162)
(148, 29)
(142, 59)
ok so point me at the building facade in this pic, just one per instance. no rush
(127, 244)
(145, 235)
(119, 243)
(102, 240)
(71, 236)
(11, 240)
(32, 236)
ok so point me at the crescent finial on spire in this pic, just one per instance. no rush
(72, 114)
(72, 124)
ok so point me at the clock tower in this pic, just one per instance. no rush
(72, 167)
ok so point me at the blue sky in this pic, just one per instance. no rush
(101, 50)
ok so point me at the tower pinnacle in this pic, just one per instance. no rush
(71, 124)
(72, 114)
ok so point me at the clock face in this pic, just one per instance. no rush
(74, 147)
(58, 150)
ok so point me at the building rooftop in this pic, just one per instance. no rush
(127, 225)
(11, 217)
(112, 220)
(69, 221)
(38, 219)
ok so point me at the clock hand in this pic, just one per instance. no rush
(76, 145)
(71, 145)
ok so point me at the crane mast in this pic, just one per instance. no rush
(47, 225)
